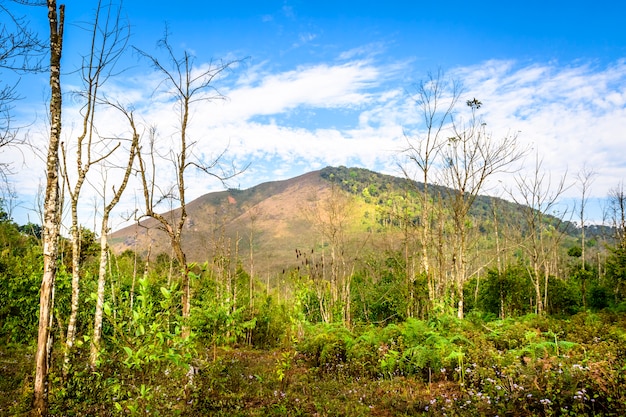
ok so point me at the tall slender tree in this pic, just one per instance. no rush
(538, 197)
(435, 100)
(104, 230)
(471, 156)
(188, 85)
(616, 261)
(585, 179)
(108, 39)
(52, 209)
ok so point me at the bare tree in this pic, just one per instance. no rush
(470, 158)
(108, 41)
(616, 261)
(254, 214)
(435, 100)
(52, 208)
(584, 178)
(617, 213)
(330, 216)
(538, 198)
(104, 230)
(188, 85)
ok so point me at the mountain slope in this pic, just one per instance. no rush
(279, 217)
(272, 212)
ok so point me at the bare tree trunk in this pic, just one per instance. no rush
(52, 210)
(117, 194)
(97, 319)
(585, 178)
(538, 199)
(107, 44)
(423, 150)
(181, 76)
(71, 325)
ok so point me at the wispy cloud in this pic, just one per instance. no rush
(323, 86)
(573, 114)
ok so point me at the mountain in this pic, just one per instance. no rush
(279, 217)
(272, 213)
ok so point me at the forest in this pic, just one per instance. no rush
(419, 296)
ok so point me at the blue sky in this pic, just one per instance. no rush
(325, 83)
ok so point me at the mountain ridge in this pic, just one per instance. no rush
(275, 218)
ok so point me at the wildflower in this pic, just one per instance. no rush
(545, 401)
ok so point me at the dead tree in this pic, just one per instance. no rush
(435, 99)
(188, 85)
(471, 156)
(538, 197)
(108, 42)
(104, 230)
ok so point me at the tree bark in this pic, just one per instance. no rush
(51, 214)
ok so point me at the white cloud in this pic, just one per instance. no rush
(572, 114)
(324, 86)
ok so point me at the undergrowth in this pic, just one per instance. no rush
(531, 366)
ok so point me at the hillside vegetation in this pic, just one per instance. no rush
(309, 297)
(278, 215)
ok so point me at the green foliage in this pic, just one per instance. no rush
(505, 292)
(220, 321)
(519, 367)
(565, 296)
(148, 345)
(575, 252)
(273, 323)
(616, 273)
(21, 268)
(325, 346)
(379, 292)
